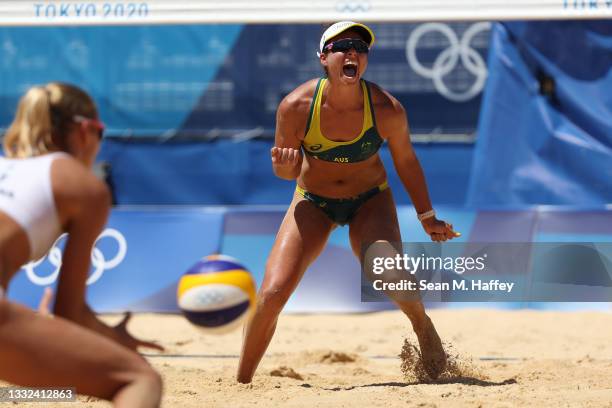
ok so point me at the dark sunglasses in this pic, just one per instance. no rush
(346, 45)
(82, 120)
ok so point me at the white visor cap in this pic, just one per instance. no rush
(341, 26)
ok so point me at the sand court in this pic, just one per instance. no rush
(502, 359)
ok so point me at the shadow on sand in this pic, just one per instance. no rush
(457, 380)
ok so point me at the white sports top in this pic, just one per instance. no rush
(27, 197)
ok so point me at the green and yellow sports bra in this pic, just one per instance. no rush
(359, 149)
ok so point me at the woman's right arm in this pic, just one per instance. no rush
(84, 204)
(286, 155)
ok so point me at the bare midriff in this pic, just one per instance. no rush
(341, 180)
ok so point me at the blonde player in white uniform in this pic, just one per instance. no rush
(47, 188)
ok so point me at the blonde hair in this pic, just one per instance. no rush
(44, 118)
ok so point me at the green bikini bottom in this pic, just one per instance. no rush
(341, 210)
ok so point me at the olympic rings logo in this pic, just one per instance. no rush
(98, 260)
(448, 59)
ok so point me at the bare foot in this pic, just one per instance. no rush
(432, 352)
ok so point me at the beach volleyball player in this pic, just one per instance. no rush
(340, 121)
(47, 188)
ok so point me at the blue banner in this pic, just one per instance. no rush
(136, 262)
(333, 282)
(146, 80)
(206, 81)
(545, 131)
(140, 256)
(228, 173)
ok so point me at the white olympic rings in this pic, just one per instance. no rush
(448, 59)
(98, 261)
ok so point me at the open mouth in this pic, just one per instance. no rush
(350, 69)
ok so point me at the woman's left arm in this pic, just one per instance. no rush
(394, 126)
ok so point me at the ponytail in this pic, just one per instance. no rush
(30, 132)
(43, 119)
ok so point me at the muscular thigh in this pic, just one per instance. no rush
(37, 350)
(300, 239)
(376, 220)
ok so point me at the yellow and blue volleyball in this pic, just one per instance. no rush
(216, 293)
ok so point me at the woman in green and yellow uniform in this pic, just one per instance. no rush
(340, 122)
